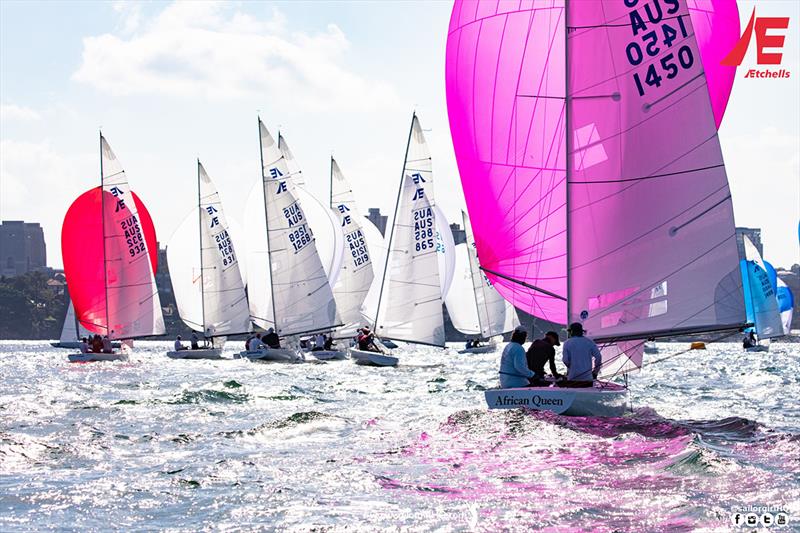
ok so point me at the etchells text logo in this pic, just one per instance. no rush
(767, 37)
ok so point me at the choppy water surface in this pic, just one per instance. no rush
(156, 443)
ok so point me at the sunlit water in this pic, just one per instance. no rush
(156, 443)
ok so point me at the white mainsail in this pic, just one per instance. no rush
(132, 305)
(356, 274)
(474, 305)
(72, 331)
(288, 287)
(410, 302)
(204, 268)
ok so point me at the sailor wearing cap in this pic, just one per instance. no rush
(514, 371)
(578, 354)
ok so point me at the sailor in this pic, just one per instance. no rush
(97, 344)
(750, 340)
(271, 339)
(366, 340)
(255, 343)
(195, 341)
(107, 348)
(578, 354)
(514, 371)
(247, 341)
(84, 347)
(328, 343)
(319, 342)
(178, 344)
(543, 351)
(468, 345)
(476, 343)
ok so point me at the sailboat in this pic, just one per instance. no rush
(594, 178)
(109, 249)
(410, 297)
(204, 269)
(473, 304)
(288, 287)
(72, 332)
(356, 274)
(760, 299)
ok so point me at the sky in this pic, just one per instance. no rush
(172, 82)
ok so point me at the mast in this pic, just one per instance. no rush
(266, 221)
(394, 220)
(568, 147)
(331, 186)
(103, 218)
(200, 237)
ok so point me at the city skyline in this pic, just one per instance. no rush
(331, 79)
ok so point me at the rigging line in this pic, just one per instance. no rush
(649, 231)
(665, 165)
(674, 230)
(527, 285)
(647, 287)
(642, 178)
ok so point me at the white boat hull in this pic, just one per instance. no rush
(76, 345)
(204, 353)
(603, 400)
(328, 355)
(480, 349)
(277, 355)
(95, 357)
(362, 357)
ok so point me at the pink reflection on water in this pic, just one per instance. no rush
(641, 473)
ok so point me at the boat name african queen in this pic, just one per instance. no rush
(535, 400)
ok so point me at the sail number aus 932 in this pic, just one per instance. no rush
(654, 36)
(423, 229)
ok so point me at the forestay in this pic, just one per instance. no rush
(410, 302)
(204, 268)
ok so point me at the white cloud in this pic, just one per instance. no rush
(208, 50)
(10, 112)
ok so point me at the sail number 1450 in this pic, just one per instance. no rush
(654, 42)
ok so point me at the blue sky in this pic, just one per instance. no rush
(172, 82)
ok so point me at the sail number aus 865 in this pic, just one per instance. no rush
(358, 247)
(423, 229)
(300, 238)
(653, 35)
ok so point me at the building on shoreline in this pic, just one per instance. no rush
(22, 247)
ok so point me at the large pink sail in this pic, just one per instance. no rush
(505, 83)
(651, 232)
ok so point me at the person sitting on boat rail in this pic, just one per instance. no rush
(366, 340)
(97, 344)
(319, 343)
(578, 354)
(271, 339)
(514, 371)
(195, 341)
(84, 347)
(543, 351)
(255, 343)
(328, 343)
(107, 348)
(749, 340)
(178, 344)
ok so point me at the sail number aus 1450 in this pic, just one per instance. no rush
(657, 40)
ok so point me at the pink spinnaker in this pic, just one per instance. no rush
(650, 245)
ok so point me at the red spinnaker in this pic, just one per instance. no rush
(82, 253)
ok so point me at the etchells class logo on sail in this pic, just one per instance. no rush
(767, 37)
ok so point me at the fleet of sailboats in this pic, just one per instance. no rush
(598, 195)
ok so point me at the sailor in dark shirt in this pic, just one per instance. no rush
(540, 352)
